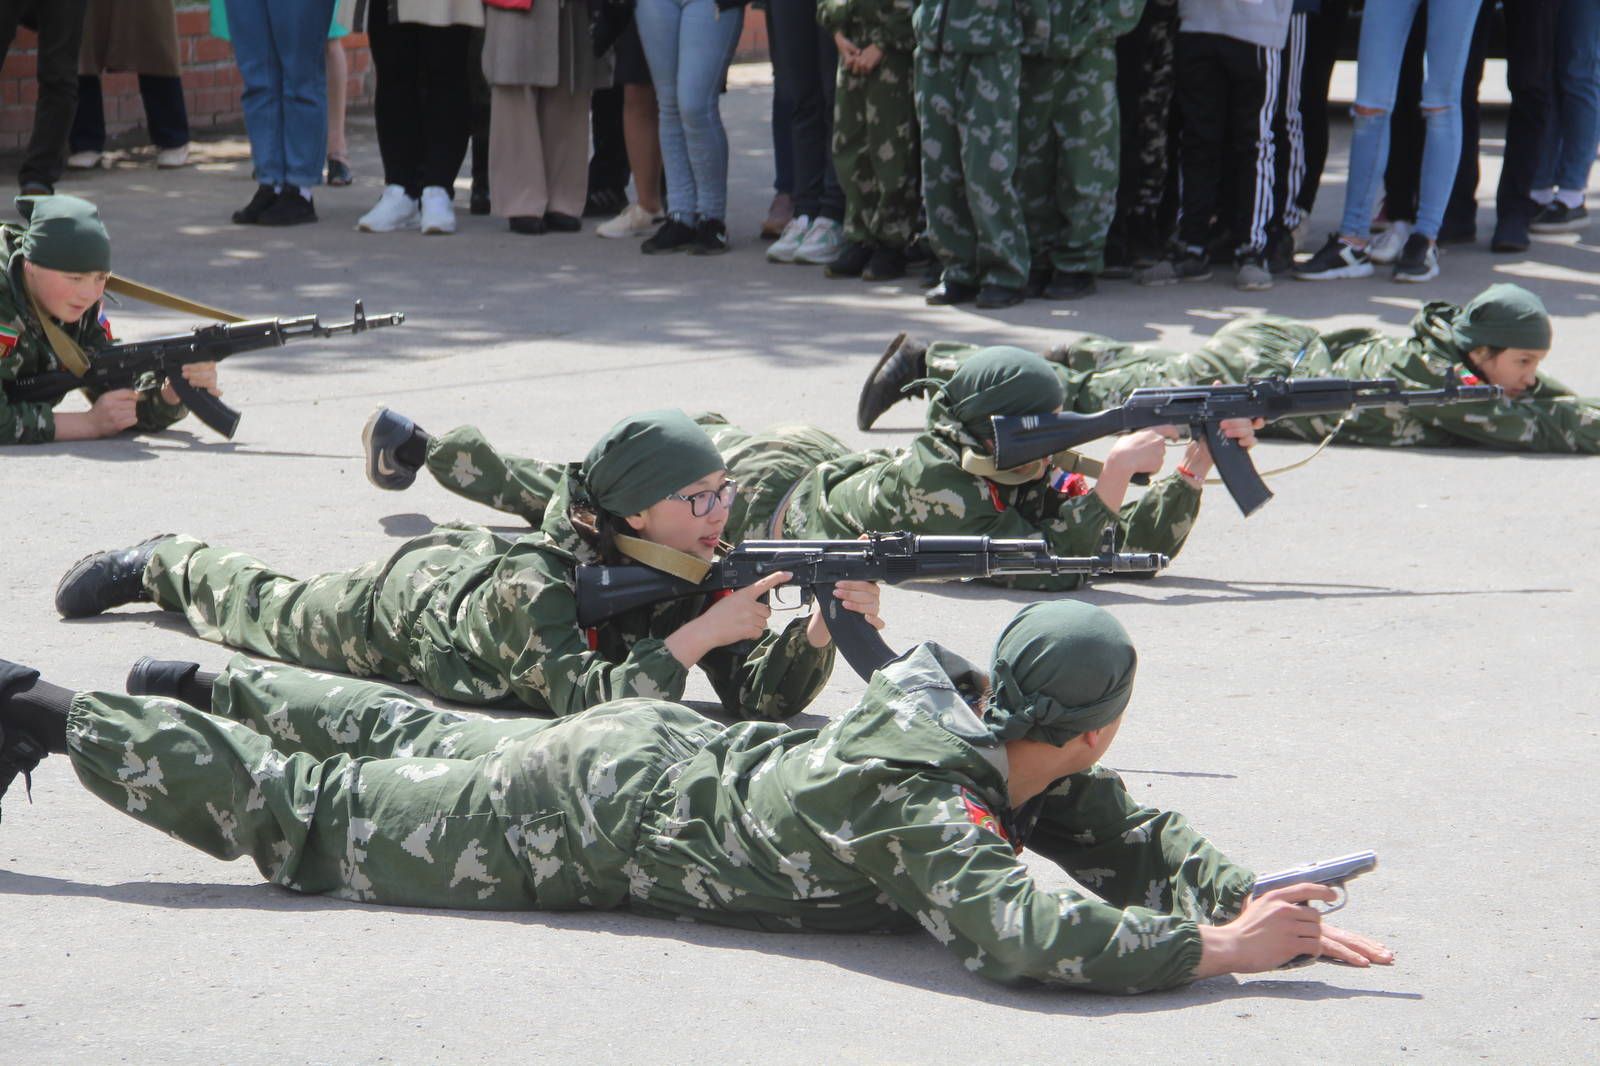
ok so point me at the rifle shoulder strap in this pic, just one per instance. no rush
(67, 351)
(149, 294)
(660, 557)
(1070, 462)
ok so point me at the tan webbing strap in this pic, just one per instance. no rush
(66, 350)
(171, 301)
(1070, 462)
(660, 557)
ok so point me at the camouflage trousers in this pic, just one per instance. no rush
(1067, 163)
(766, 465)
(464, 462)
(876, 152)
(1146, 77)
(353, 790)
(379, 619)
(967, 108)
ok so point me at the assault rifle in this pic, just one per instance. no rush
(1020, 439)
(121, 365)
(1333, 872)
(816, 565)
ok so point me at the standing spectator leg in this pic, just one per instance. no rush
(166, 115)
(944, 194)
(987, 101)
(478, 101)
(1530, 62)
(1321, 51)
(608, 166)
(250, 28)
(1254, 75)
(87, 141)
(1088, 136)
(1574, 129)
(1460, 224)
(397, 102)
(60, 27)
(1039, 92)
(1202, 100)
(782, 207)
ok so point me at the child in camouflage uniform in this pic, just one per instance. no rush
(56, 267)
(912, 808)
(1499, 337)
(479, 618)
(876, 150)
(806, 485)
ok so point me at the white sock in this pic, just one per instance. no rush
(1570, 197)
(1542, 196)
(305, 190)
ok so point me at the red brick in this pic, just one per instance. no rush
(195, 22)
(16, 118)
(21, 64)
(211, 49)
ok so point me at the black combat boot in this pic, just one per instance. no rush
(900, 364)
(173, 678)
(105, 580)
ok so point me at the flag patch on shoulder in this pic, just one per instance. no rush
(9, 332)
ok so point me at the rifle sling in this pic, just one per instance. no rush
(660, 557)
(67, 351)
(1332, 433)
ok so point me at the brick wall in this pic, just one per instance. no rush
(211, 85)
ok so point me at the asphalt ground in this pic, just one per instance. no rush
(1397, 653)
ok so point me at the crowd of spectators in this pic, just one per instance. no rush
(1001, 149)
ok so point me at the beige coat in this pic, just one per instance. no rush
(134, 35)
(427, 12)
(547, 47)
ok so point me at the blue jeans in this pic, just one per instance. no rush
(279, 46)
(1384, 29)
(1574, 130)
(689, 44)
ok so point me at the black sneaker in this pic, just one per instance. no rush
(950, 293)
(673, 236)
(1510, 235)
(994, 297)
(250, 213)
(1070, 285)
(710, 237)
(1280, 251)
(1557, 217)
(1336, 259)
(19, 754)
(886, 264)
(556, 222)
(605, 203)
(1457, 233)
(932, 274)
(1038, 280)
(381, 439)
(1419, 260)
(850, 262)
(902, 363)
(289, 209)
(1184, 263)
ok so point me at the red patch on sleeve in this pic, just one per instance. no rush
(982, 817)
(994, 495)
(1072, 485)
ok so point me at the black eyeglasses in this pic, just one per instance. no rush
(700, 503)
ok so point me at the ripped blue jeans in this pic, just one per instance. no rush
(1384, 29)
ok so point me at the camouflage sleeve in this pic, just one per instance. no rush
(533, 616)
(936, 851)
(1133, 855)
(1160, 519)
(834, 15)
(1070, 525)
(154, 412)
(770, 679)
(1543, 422)
(25, 423)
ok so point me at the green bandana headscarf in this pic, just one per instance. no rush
(1061, 668)
(646, 457)
(63, 233)
(1002, 381)
(1503, 316)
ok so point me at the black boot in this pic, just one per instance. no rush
(902, 363)
(105, 580)
(33, 723)
(173, 678)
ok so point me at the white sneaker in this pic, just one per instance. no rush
(823, 243)
(634, 221)
(1385, 247)
(168, 158)
(394, 210)
(85, 160)
(783, 249)
(438, 213)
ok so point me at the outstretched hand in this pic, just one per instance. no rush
(1279, 926)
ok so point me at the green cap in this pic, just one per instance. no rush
(1061, 668)
(1503, 316)
(645, 458)
(1002, 381)
(64, 233)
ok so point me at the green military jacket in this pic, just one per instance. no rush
(976, 27)
(25, 352)
(923, 488)
(506, 612)
(885, 23)
(894, 815)
(1549, 418)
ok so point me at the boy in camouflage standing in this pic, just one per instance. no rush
(969, 67)
(1071, 140)
(875, 145)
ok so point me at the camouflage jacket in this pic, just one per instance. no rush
(885, 23)
(975, 27)
(511, 610)
(1079, 25)
(894, 815)
(24, 352)
(1549, 418)
(923, 488)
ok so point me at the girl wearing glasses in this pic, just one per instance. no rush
(479, 618)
